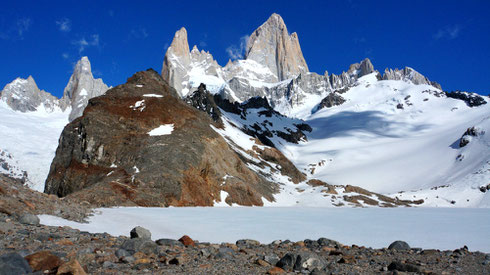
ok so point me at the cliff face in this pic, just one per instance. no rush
(272, 46)
(140, 144)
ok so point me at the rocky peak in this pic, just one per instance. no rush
(23, 95)
(177, 60)
(409, 74)
(272, 46)
(81, 87)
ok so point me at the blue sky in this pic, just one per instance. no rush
(448, 41)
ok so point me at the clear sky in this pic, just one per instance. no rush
(447, 41)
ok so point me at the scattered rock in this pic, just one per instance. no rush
(168, 242)
(399, 245)
(72, 267)
(187, 241)
(13, 263)
(44, 261)
(271, 259)
(139, 245)
(29, 219)
(287, 262)
(276, 270)
(247, 243)
(308, 261)
(140, 232)
(399, 266)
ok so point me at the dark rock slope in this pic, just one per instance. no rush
(108, 158)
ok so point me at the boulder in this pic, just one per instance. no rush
(399, 245)
(140, 232)
(29, 219)
(43, 260)
(13, 263)
(72, 267)
(187, 241)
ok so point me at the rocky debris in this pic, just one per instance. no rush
(10, 167)
(471, 99)
(103, 254)
(81, 87)
(140, 232)
(469, 134)
(272, 46)
(18, 200)
(23, 95)
(399, 245)
(29, 219)
(108, 157)
(13, 263)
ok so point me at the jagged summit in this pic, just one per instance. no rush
(23, 95)
(272, 46)
(81, 87)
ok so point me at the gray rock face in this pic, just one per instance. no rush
(140, 232)
(81, 87)
(13, 264)
(24, 95)
(409, 74)
(272, 46)
(29, 219)
(140, 245)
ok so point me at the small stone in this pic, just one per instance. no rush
(168, 242)
(399, 266)
(247, 243)
(13, 263)
(127, 259)
(399, 245)
(308, 261)
(287, 262)
(72, 267)
(179, 260)
(187, 241)
(262, 262)
(347, 259)
(276, 270)
(29, 219)
(140, 245)
(108, 264)
(43, 260)
(142, 261)
(140, 232)
(271, 259)
(122, 253)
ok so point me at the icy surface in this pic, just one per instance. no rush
(438, 228)
(31, 139)
(165, 129)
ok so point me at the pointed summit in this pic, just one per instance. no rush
(272, 46)
(81, 87)
(177, 60)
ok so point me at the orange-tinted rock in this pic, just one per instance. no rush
(276, 270)
(43, 260)
(187, 241)
(72, 267)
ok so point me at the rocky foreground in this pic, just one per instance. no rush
(26, 247)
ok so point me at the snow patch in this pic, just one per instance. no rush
(165, 129)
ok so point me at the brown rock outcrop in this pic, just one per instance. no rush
(108, 158)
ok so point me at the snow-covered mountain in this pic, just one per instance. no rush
(31, 121)
(394, 133)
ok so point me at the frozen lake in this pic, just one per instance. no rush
(440, 228)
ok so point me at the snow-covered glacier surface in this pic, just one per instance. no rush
(439, 228)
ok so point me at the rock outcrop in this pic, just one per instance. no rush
(409, 74)
(272, 46)
(23, 95)
(81, 87)
(140, 144)
(471, 99)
